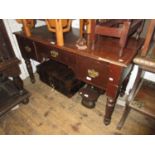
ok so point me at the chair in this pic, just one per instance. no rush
(118, 28)
(85, 24)
(142, 96)
(59, 26)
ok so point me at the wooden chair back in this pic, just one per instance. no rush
(121, 28)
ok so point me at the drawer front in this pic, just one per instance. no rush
(27, 48)
(92, 71)
(44, 52)
(69, 59)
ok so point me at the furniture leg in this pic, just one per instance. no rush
(30, 71)
(123, 38)
(139, 30)
(26, 28)
(130, 97)
(124, 117)
(81, 27)
(19, 84)
(113, 89)
(109, 110)
(125, 83)
(59, 32)
(92, 34)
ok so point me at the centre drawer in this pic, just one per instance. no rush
(44, 51)
(92, 71)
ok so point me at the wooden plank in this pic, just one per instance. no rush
(53, 113)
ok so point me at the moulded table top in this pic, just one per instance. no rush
(106, 48)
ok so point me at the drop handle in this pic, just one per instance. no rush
(93, 73)
(54, 54)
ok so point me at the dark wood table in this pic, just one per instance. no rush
(100, 67)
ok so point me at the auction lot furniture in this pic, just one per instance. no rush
(142, 96)
(100, 67)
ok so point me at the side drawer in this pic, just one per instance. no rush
(92, 71)
(44, 51)
(27, 48)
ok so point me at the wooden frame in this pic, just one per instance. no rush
(145, 63)
(28, 24)
(112, 28)
(59, 26)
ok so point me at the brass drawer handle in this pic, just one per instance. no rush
(28, 49)
(54, 54)
(92, 73)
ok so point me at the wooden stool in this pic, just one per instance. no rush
(141, 97)
(59, 26)
(28, 24)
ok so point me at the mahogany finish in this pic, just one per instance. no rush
(100, 67)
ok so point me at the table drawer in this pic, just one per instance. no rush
(44, 51)
(92, 71)
(27, 48)
(69, 59)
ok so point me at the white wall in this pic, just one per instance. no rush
(13, 26)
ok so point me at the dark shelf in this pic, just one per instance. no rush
(10, 96)
(144, 101)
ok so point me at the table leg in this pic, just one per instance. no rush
(125, 83)
(30, 71)
(116, 76)
(109, 110)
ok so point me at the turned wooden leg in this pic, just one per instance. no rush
(124, 117)
(30, 71)
(19, 84)
(109, 110)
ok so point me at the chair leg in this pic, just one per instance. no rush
(124, 117)
(123, 37)
(139, 30)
